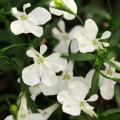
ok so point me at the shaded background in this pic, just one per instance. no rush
(106, 13)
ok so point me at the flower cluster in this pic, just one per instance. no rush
(54, 75)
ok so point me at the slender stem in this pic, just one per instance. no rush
(79, 19)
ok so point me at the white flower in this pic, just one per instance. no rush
(65, 38)
(24, 114)
(29, 23)
(44, 69)
(73, 100)
(86, 37)
(63, 81)
(67, 8)
(106, 85)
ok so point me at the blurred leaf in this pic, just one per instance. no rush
(80, 57)
(96, 10)
(95, 82)
(117, 94)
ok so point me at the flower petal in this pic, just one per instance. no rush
(62, 47)
(39, 16)
(107, 88)
(78, 90)
(30, 75)
(91, 29)
(61, 25)
(55, 62)
(32, 28)
(106, 35)
(72, 110)
(48, 77)
(25, 6)
(10, 117)
(43, 49)
(68, 16)
(35, 116)
(19, 29)
(93, 98)
(35, 91)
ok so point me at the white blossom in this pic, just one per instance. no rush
(44, 69)
(29, 23)
(73, 100)
(24, 114)
(106, 85)
(65, 39)
(63, 81)
(67, 8)
(87, 40)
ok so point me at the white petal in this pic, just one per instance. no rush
(39, 16)
(35, 116)
(106, 35)
(88, 78)
(10, 117)
(55, 11)
(62, 47)
(91, 29)
(72, 110)
(71, 5)
(61, 25)
(15, 12)
(85, 44)
(106, 44)
(93, 98)
(31, 53)
(43, 49)
(64, 98)
(48, 77)
(32, 28)
(74, 46)
(107, 88)
(50, 90)
(25, 6)
(30, 75)
(68, 16)
(78, 90)
(55, 62)
(17, 27)
(35, 91)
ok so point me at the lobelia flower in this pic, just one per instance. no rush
(25, 114)
(65, 39)
(44, 69)
(73, 100)
(29, 23)
(105, 84)
(87, 40)
(63, 82)
(67, 8)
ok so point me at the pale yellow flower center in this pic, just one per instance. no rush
(65, 37)
(109, 72)
(40, 60)
(23, 17)
(82, 103)
(66, 76)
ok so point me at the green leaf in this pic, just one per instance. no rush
(80, 57)
(117, 94)
(95, 82)
(110, 111)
